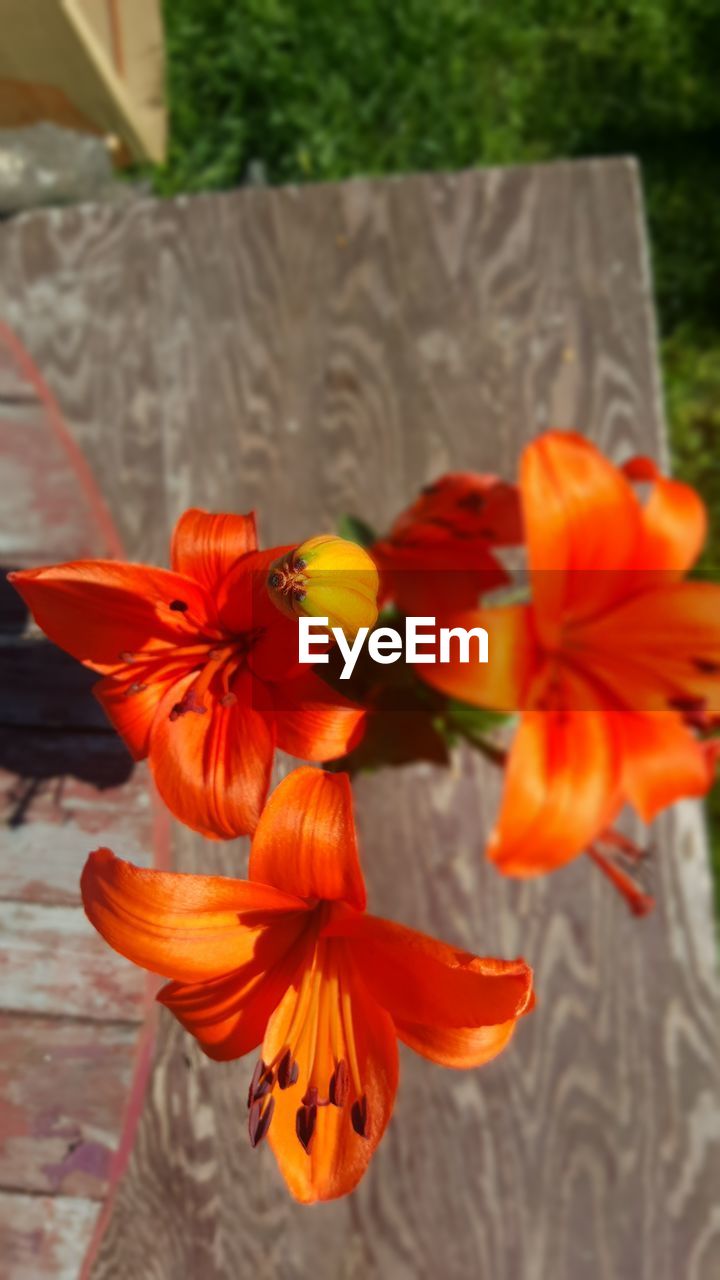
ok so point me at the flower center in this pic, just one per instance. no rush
(321, 1036)
(209, 656)
(288, 579)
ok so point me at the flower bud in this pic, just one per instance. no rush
(327, 577)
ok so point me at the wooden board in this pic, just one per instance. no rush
(329, 350)
(74, 1060)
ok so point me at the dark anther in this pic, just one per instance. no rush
(274, 581)
(299, 594)
(300, 564)
(688, 705)
(261, 1083)
(287, 1071)
(261, 1113)
(125, 656)
(135, 687)
(707, 666)
(305, 1121)
(178, 606)
(358, 1115)
(187, 703)
(339, 1084)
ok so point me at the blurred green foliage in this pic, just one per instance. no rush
(324, 89)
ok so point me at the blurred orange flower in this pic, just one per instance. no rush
(200, 669)
(289, 959)
(614, 664)
(439, 553)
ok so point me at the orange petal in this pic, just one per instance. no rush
(661, 761)
(500, 683)
(338, 1156)
(186, 927)
(313, 721)
(561, 789)
(674, 520)
(228, 1015)
(243, 599)
(130, 703)
(582, 522)
(205, 546)
(421, 981)
(99, 610)
(305, 841)
(213, 769)
(661, 645)
(457, 1046)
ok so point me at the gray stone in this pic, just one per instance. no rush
(45, 165)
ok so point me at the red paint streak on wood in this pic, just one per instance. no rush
(99, 514)
(62, 794)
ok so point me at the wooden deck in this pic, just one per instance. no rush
(311, 352)
(73, 1061)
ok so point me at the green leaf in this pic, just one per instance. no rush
(356, 530)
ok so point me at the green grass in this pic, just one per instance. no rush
(327, 89)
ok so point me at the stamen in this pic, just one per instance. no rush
(623, 844)
(305, 1121)
(274, 580)
(349, 1038)
(288, 1070)
(261, 1083)
(228, 699)
(178, 606)
(187, 703)
(639, 903)
(135, 687)
(261, 1113)
(359, 1115)
(339, 1084)
(126, 656)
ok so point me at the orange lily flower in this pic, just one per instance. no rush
(289, 960)
(613, 665)
(439, 552)
(200, 669)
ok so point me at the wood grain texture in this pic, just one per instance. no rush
(42, 1237)
(71, 1074)
(332, 349)
(52, 962)
(61, 1141)
(76, 792)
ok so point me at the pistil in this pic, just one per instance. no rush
(320, 1033)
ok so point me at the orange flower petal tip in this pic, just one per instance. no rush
(327, 577)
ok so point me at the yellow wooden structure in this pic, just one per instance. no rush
(93, 65)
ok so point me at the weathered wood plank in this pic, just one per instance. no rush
(61, 1141)
(52, 962)
(331, 349)
(42, 1237)
(51, 508)
(62, 795)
